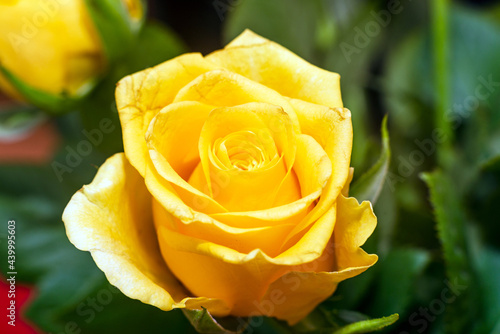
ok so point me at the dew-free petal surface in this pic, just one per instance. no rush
(112, 218)
(276, 67)
(332, 129)
(298, 292)
(223, 88)
(239, 279)
(243, 240)
(172, 138)
(271, 182)
(140, 96)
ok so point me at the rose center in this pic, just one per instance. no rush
(245, 150)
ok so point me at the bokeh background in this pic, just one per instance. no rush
(433, 67)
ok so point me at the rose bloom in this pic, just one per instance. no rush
(232, 191)
(53, 45)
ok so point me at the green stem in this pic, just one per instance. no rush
(440, 24)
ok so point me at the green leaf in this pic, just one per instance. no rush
(51, 103)
(290, 23)
(363, 152)
(489, 276)
(203, 322)
(350, 293)
(367, 326)
(451, 225)
(410, 92)
(18, 119)
(45, 256)
(395, 282)
(486, 262)
(115, 26)
(369, 185)
(266, 325)
(325, 320)
(318, 319)
(492, 162)
(386, 211)
(156, 43)
(407, 87)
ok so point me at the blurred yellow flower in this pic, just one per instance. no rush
(135, 8)
(51, 45)
(232, 191)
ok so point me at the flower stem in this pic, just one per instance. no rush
(440, 24)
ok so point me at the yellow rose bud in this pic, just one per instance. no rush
(51, 45)
(56, 49)
(135, 9)
(232, 191)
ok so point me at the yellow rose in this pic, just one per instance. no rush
(55, 46)
(232, 191)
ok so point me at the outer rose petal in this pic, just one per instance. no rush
(227, 89)
(140, 96)
(244, 240)
(276, 67)
(297, 293)
(112, 218)
(291, 213)
(332, 129)
(238, 279)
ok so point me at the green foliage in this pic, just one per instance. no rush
(451, 226)
(155, 44)
(368, 326)
(203, 322)
(369, 185)
(51, 103)
(396, 280)
(324, 321)
(117, 30)
(255, 15)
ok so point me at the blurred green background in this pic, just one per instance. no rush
(432, 66)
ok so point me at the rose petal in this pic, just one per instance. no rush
(345, 190)
(226, 89)
(140, 96)
(237, 278)
(332, 129)
(291, 213)
(112, 218)
(172, 159)
(243, 240)
(276, 67)
(312, 165)
(356, 222)
(174, 133)
(161, 178)
(297, 293)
